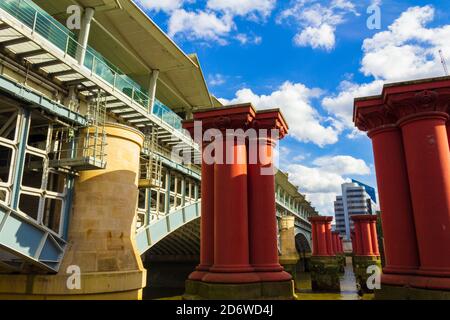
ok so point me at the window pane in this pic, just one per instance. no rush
(29, 205)
(3, 195)
(38, 132)
(52, 214)
(8, 123)
(141, 199)
(33, 171)
(56, 182)
(5, 163)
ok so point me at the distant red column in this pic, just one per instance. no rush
(335, 242)
(374, 235)
(423, 121)
(320, 229)
(261, 192)
(354, 244)
(329, 238)
(341, 245)
(358, 240)
(400, 246)
(363, 227)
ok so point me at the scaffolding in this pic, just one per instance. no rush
(82, 149)
(151, 162)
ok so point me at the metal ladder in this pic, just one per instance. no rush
(151, 166)
(85, 150)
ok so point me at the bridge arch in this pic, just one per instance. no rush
(302, 241)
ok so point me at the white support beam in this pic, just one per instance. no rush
(152, 89)
(83, 37)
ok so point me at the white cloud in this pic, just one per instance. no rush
(317, 21)
(161, 5)
(216, 80)
(248, 39)
(341, 104)
(322, 182)
(408, 49)
(250, 8)
(294, 100)
(342, 165)
(317, 37)
(200, 25)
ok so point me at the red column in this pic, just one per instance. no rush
(341, 245)
(397, 218)
(229, 193)
(329, 238)
(428, 161)
(335, 242)
(448, 131)
(315, 243)
(206, 221)
(319, 232)
(231, 242)
(261, 192)
(354, 245)
(374, 235)
(358, 239)
(322, 239)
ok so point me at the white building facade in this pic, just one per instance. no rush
(355, 200)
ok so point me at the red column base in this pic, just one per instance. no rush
(416, 281)
(276, 267)
(400, 270)
(274, 276)
(197, 275)
(434, 272)
(231, 277)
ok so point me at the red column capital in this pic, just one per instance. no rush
(412, 104)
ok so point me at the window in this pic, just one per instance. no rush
(52, 214)
(39, 131)
(6, 156)
(8, 123)
(142, 199)
(4, 195)
(29, 204)
(33, 171)
(56, 182)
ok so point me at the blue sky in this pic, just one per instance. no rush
(310, 58)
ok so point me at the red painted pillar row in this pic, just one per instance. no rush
(321, 232)
(367, 235)
(239, 226)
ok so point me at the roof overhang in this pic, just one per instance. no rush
(126, 36)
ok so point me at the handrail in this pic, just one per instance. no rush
(41, 22)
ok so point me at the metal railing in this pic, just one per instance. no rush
(45, 25)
